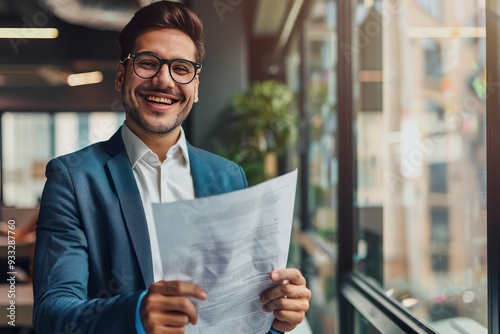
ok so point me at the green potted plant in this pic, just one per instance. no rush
(260, 124)
(265, 121)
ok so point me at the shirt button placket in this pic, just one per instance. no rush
(163, 182)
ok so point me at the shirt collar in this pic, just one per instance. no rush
(136, 149)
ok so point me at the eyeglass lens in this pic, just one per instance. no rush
(147, 66)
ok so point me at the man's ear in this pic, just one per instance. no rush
(120, 76)
(196, 84)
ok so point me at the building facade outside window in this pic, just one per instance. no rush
(421, 155)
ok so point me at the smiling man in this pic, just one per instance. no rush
(97, 266)
(160, 90)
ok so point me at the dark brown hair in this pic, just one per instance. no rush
(163, 14)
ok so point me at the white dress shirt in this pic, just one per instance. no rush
(159, 182)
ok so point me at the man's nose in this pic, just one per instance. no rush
(163, 77)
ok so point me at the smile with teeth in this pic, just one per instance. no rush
(161, 100)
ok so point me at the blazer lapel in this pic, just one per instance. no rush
(209, 177)
(203, 177)
(131, 205)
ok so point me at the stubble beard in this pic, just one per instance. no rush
(133, 112)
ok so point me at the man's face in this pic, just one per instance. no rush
(158, 105)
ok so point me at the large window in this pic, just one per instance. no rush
(420, 156)
(31, 139)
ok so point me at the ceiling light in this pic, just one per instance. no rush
(289, 23)
(88, 78)
(43, 33)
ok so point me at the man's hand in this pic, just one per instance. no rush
(166, 307)
(289, 301)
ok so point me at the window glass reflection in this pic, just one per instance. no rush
(320, 45)
(419, 92)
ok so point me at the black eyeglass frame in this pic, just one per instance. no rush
(133, 55)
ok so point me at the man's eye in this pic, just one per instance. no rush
(181, 70)
(147, 64)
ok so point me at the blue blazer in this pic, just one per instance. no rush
(92, 255)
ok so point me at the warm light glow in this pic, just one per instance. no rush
(88, 78)
(316, 121)
(369, 3)
(409, 302)
(371, 76)
(289, 23)
(446, 32)
(43, 33)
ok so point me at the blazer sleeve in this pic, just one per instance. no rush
(61, 303)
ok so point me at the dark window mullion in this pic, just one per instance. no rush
(493, 162)
(345, 149)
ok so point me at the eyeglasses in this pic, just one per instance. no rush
(147, 65)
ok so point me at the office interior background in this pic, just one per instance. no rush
(396, 105)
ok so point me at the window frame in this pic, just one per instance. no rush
(493, 162)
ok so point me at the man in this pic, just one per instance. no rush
(97, 266)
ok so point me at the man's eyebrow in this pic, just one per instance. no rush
(175, 57)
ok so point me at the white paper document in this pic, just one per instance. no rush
(229, 244)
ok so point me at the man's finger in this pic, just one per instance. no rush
(291, 275)
(178, 288)
(155, 306)
(283, 326)
(172, 319)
